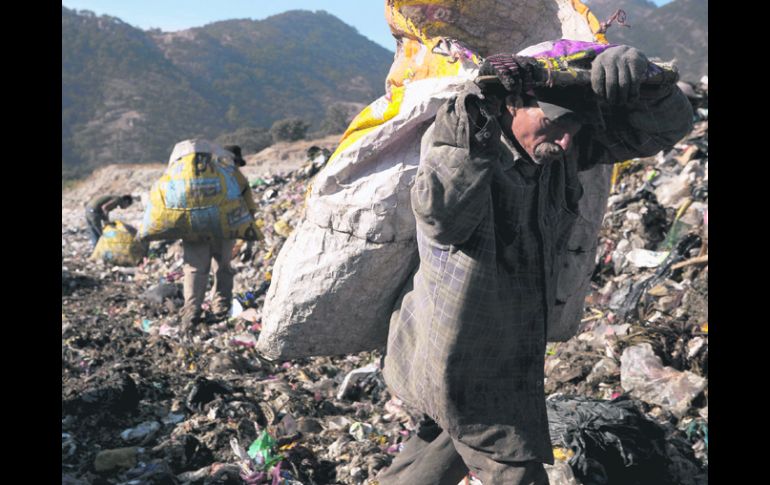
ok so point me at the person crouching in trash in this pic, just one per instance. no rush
(495, 198)
(98, 213)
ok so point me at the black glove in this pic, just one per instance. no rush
(512, 71)
(617, 73)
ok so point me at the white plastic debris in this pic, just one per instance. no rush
(694, 346)
(140, 432)
(672, 190)
(354, 376)
(168, 330)
(173, 418)
(644, 258)
(236, 308)
(642, 374)
(359, 431)
(244, 340)
(560, 473)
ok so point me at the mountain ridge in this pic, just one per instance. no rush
(128, 95)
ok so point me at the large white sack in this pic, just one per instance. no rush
(339, 273)
(359, 206)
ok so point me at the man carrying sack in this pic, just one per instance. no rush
(495, 199)
(202, 256)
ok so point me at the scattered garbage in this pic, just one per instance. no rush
(260, 464)
(235, 309)
(68, 445)
(125, 361)
(598, 336)
(694, 346)
(261, 450)
(644, 376)
(354, 376)
(167, 330)
(360, 431)
(144, 430)
(116, 458)
(204, 391)
(282, 228)
(248, 299)
(671, 191)
(245, 340)
(603, 370)
(194, 476)
(109, 391)
(173, 418)
(560, 473)
(158, 293)
(614, 442)
(643, 258)
(251, 315)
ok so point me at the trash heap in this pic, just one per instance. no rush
(143, 403)
(644, 334)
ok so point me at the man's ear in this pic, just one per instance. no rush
(512, 103)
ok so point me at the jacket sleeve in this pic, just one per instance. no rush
(452, 185)
(655, 122)
(110, 205)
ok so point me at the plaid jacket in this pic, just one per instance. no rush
(467, 337)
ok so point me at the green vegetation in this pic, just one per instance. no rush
(251, 140)
(291, 129)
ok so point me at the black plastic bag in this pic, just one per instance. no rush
(613, 442)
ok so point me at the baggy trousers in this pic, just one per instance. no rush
(94, 225)
(198, 258)
(432, 457)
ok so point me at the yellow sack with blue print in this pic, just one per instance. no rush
(118, 245)
(200, 197)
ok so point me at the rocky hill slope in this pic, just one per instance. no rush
(128, 95)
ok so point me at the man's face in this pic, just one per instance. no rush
(543, 139)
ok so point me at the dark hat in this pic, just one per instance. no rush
(557, 103)
(554, 112)
(236, 150)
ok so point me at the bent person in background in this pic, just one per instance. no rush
(98, 213)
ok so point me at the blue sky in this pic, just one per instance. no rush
(367, 16)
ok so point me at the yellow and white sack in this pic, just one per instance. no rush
(198, 197)
(338, 275)
(118, 245)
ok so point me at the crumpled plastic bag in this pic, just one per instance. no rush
(613, 442)
(643, 375)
